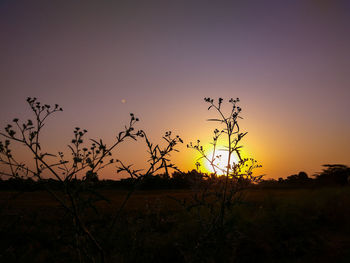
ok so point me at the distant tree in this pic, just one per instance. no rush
(186, 179)
(334, 174)
(301, 177)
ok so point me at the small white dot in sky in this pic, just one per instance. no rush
(123, 100)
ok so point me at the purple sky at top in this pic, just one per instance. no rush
(288, 61)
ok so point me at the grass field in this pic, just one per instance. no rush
(267, 225)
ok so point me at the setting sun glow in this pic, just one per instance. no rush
(220, 162)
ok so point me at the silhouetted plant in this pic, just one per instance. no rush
(158, 161)
(79, 194)
(222, 190)
(78, 174)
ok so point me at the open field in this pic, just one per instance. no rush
(294, 225)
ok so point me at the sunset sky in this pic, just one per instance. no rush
(287, 61)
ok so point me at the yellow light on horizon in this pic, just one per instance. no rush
(221, 161)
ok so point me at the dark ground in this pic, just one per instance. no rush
(268, 225)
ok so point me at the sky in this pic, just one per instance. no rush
(287, 61)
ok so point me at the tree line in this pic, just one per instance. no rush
(331, 175)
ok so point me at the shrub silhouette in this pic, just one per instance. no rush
(300, 178)
(76, 177)
(334, 174)
(216, 196)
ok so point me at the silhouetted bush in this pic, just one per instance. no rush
(73, 180)
(334, 174)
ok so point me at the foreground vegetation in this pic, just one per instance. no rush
(267, 225)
